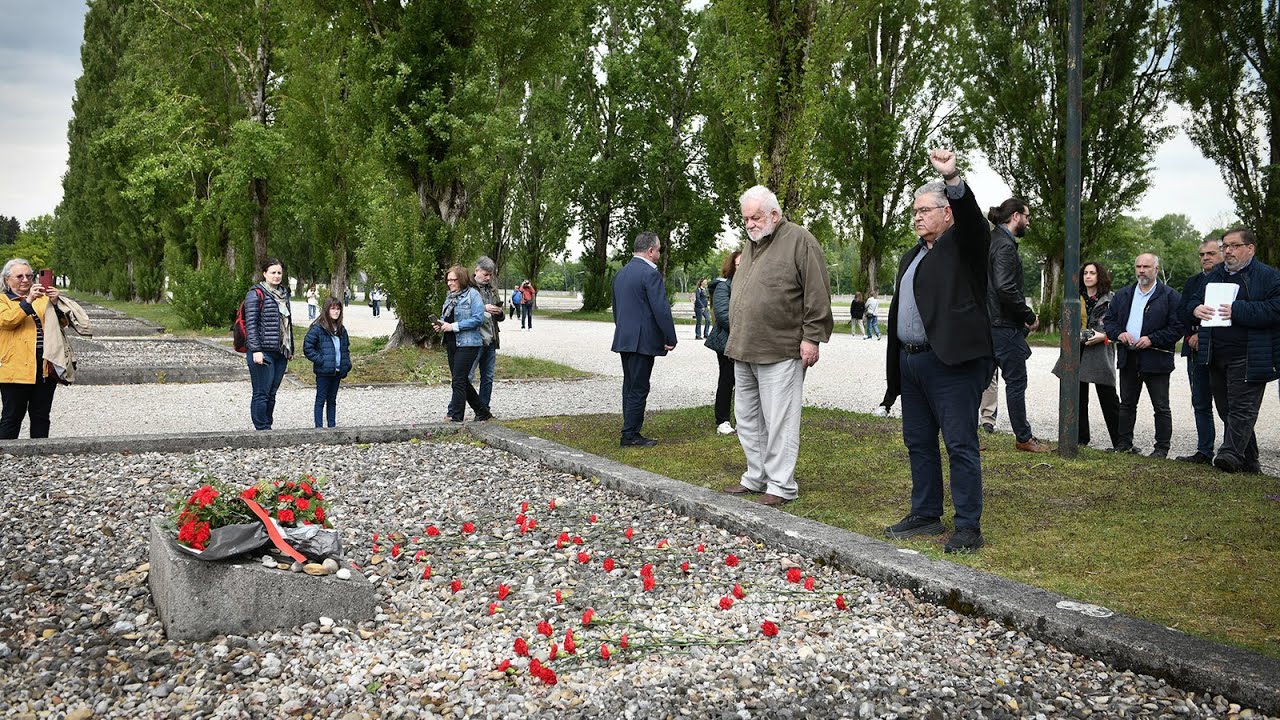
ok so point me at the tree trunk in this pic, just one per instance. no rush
(595, 288)
(258, 193)
(338, 280)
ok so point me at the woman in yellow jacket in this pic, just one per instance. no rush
(26, 385)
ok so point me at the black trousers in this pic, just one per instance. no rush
(636, 369)
(724, 389)
(20, 400)
(1238, 402)
(1110, 403)
(1131, 382)
(464, 393)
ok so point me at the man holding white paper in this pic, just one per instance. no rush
(1239, 313)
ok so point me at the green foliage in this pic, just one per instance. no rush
(207, 297)
(400, 247)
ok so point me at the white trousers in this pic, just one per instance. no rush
(767, 401)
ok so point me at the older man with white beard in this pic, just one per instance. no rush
(780, 310)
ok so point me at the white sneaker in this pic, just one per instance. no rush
(725, 428)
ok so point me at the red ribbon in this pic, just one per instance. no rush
(276, 538)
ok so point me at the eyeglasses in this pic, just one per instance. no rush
(24, 276)
(451, 279)
(1225, 246)
(921, 212)
(1211, 252)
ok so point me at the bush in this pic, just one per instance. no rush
(207, 297)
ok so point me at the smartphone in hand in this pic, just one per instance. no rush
(46, 278)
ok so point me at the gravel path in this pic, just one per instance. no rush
(850, 375)
(79, 636)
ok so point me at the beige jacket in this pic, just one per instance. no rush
(781, 295)
(57, 350)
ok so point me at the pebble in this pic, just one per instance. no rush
(432, 652)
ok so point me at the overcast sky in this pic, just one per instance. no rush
(40, 61)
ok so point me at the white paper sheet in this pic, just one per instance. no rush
(1216, 294)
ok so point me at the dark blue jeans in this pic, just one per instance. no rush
(526, 315)
(940, 397)
(1012, 351)
(1201, 404)
(486, 363)
(873, 325)
(265, 379)
(464, 393)
(636, 369)
(327, 398)
(701, 322)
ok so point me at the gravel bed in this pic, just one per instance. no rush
(121, 327)
(79, 635)
(100, 353)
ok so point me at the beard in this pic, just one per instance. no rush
(1020, 230)
(762, 231)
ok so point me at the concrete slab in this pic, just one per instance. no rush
(133, 361)
(198, 600)
(1124, 641)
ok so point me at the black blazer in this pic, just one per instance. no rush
(951, 292)
(1160, 323)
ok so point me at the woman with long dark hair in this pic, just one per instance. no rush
(460, 319)
(1097, 355)
(268, 325)
(718, 336)
(328, 348)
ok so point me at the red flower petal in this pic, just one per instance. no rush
(521, 647)
(493, 608)
(701, 547)
(793, 575)
(768, 628)
(569, 645)
(468, 527)
(604, 651)
(840, 603)
(503, 591)
(738, 592)
(731, 560)
(426, 574)
(624, 643)
(648, 582)
(726, 602)
(544, 628)
(558, 598)
(584, 558)
(629, 533)
(504, 666)
(456, 585)
(608, 564)
(587, 616)
(808, 583)
(685, 566)
(432, 531)
(593, 518)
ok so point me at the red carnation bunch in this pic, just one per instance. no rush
(212, 505)
(292, 503)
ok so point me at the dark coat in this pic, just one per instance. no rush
(1006, 301)
(1186, 310)
(1256, 308)
(951, 284)
(262, 322)
(720, 290)
(641, 313)
(318, 347)
(1160, 322)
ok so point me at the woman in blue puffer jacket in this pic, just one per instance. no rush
(268, 325)
(329, 350)
(460, 321)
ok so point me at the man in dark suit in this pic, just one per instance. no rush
(642, 330)
(939, 355)
(1198, 375)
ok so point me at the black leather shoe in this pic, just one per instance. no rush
(988, 428)
(1198, 458)
(638, 441)
(1227, 463)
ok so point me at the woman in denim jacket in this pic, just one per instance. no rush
(460, 320)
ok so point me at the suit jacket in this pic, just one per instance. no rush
(641, 314)
(951, 292)
(1160, 323)
(1186, 311)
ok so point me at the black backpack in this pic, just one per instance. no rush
(239, 335)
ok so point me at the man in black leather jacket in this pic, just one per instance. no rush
(1011, 317)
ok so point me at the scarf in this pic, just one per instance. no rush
(281, 296)
(451, 300)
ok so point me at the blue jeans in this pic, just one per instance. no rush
(265, 379)
(1201, 404)
(940, 397)
(873, 325)
(486, 362)
(701, 322)
(311, 312)
(377, 307)
(526, 315)
(327, 398)
(1012, 351)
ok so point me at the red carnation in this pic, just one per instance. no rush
(432, 531)
(521, 647)
(593, 517)
(285, 516)
(547, 676)
(551, 505)
(629, 533)
(456, 585)
(648, 582)
(558, 598)
(731, 560)
(395, 551)
(375, 537)
(808, 583)
(569, 645)
(319, 514)
(530, 526)
(768, 628)
(604, 651)
(418, 555)
(285, 499)
(504, 666)
(793, 575)
(555, 650)
(608, 564)
(584, 558)
(701, 547)
(250, 494)
(646, 570)
(303, 504)
(503, 591)
(535, 667)
(308, 489)
(726, 602)
(493, 608)
(685, 566)
(663, 543)
(376, 547)
(562, 540)
(577, 540)
(520, 519)
(840, 603)
(468, 527)
(586, 616)
(524, 507)
(624, 643)
(426, 573)
(544, 628)
(738, 592)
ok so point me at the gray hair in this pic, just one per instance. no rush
(485, 263)
(9, 266)
(645, 241)
(768, 201)
(936, 191)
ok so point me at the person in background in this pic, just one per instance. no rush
(527, 291)
(268, 324)
(873, 320)
(27, 384)
(375, 300)
(460, 319)
(1097, 354)
(718, 337)
(1210, 252)
(701, 318)
(642, 330)
(1143, 319)
(312, 300)
(487, 360)
(328, 348)
(857, 310)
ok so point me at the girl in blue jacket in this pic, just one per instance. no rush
(329, 350)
